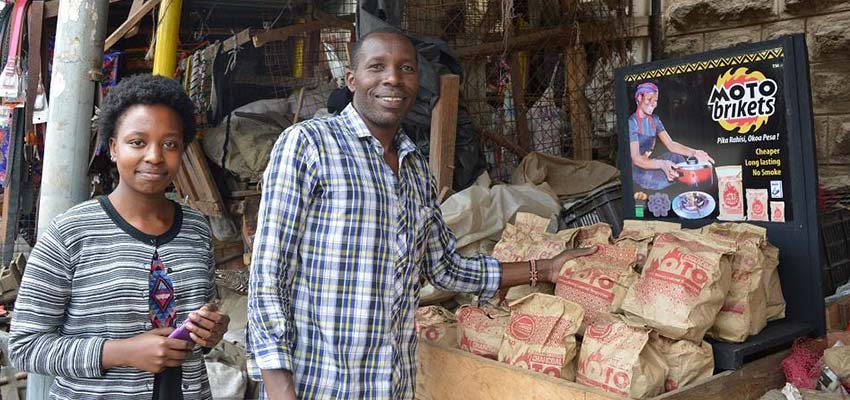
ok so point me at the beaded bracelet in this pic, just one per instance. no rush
(532, 272)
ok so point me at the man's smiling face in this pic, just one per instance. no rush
(384, 80)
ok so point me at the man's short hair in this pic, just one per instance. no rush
(356, 47)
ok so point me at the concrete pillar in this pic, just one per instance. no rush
(77, 61)
(641, 51)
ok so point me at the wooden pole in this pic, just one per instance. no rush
(443, 132)
(298, 106)
(136, 16)
(575, 60)
(552, 37)
(504, 142)
(167, 35)
(519, 77)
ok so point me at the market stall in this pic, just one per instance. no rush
(715, 268)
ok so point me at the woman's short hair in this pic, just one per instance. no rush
(147, 90)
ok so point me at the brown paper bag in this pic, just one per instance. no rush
(683, 285)
(688, 361)
(541, 334)
(435, 324)
(640, 234)
(481, 329)
(589, 236)
(744, 311)
(527, 239)
(837, 358)
(775, 300)
(616, 357)
(598, 282)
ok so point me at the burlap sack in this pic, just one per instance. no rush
(541, 334)
(683, 285)
(598, 282)
(616, 357)
(775, 300)
(687, 361)
(640, 234)
(744, 311)
(435, 324)
(481, 329)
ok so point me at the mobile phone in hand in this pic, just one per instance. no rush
(182, 332)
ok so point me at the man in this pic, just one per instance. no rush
(644, 127)
(348, 223)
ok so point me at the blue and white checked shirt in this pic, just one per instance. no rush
(341, 244)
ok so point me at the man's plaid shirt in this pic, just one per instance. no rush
(340, 247)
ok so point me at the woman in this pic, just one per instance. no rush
(110, 278)
(644, 127)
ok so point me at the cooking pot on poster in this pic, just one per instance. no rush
(695, 173)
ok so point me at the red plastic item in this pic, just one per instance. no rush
(802, 366)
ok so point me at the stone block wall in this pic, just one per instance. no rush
(692, 26)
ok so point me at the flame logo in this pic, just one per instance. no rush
(724, 83)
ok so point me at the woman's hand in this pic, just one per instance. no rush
(208, 325)
(151, 351)
(702, 157)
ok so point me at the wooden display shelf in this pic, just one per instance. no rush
(452, 374)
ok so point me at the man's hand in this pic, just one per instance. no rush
(208, 325)
(551, 268)
(669, 169)
(278, 384)
(151, 351)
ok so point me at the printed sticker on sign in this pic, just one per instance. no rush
(777, 211)
(757, 204)
(730, 193)
(683, 285)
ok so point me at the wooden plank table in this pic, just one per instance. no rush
(453, 374)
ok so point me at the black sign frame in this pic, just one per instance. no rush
(799, 239)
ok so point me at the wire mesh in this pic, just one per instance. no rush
(535, 72)
(307, 67)
(304, 68)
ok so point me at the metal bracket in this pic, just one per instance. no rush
(95, 75)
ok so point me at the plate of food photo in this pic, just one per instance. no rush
(693, 205)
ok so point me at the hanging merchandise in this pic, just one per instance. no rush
(199, 81)
(110, 71)
(40, 109)
(33, 80)
(5, 138)
(10, 79)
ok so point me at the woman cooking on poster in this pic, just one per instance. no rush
(659, 172)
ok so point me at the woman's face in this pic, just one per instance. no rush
(648, 102)
(147, 148)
